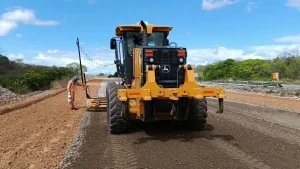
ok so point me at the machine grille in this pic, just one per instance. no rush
(169, 63)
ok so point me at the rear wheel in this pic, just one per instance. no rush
(117, 124)
(197, 114)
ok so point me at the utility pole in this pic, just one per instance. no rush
(77, 42)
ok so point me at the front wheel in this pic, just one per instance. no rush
(109, 85)
(117, 124)
(197, 114)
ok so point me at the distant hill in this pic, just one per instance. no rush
(15, 68)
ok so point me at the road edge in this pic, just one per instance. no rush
(29, 102)
(284, 111)
(71, 152)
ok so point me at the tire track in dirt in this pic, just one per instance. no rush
(239, 155)
(122, 152)
(257, 137)
(249, 121)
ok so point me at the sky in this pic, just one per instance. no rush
(45, 33)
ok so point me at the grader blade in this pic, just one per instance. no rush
(95, 104)
(100, 103)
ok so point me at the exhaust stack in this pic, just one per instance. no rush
(144, 33)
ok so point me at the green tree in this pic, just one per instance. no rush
(23, 78)
(287, 65)
(19, 61)
(76, 67)
(114, 75)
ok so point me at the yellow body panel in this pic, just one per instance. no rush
(150, 90)
(138, 28)
(137, 68)
(189, 89)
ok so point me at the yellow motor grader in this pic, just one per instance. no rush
(156, 81)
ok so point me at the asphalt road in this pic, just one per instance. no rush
(244, 136)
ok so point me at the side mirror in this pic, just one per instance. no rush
(113, 43)
(166, 42)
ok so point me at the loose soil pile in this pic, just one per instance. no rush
(7, 96)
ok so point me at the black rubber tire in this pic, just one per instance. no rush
(117, 124)
(197, 114)
(205, 100)
(109, 85)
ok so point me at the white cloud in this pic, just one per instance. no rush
(210, 55)
(291, 39)
(271, 51)
(18, 35)
(15, 56)
(10, 20)
(250, 6)
(215, 4)
(25, 16)
(100, 63)
(293, 4)
(6, 27)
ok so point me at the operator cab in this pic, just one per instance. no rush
(135, 39)
(153, 38)
(132, 36)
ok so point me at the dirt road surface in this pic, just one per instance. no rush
(256, 135)
(36, 136)
(245, 136)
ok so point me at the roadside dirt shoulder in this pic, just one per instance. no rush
(280, 103)
(25, 102)
(36, 136)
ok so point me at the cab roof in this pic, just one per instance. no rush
(138, 28)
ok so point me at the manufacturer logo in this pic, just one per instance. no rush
(165, 68)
